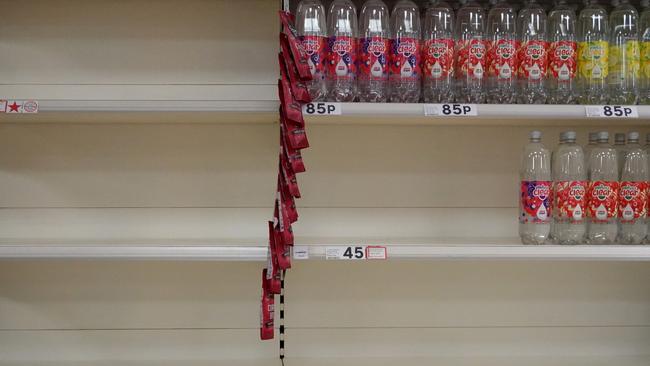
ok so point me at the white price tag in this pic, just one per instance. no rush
(322, 109)
(451, 110)
(355, 253)
(612, 111)
(300, 252)
(376, 252)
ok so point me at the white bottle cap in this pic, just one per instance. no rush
(568, 135)
(535, 135)
(633, 136)
(603, 136)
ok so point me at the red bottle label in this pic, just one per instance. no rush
(438, 58)
(603, 200)
(535, 202)
(562, 60)
(532, 60)
(571, 200)
(405, 59)
(373, 60)
(471, 58)
(342, 57)
(315, 48)
(632, 201)
(502, 59)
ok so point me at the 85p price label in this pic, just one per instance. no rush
(451, 110)
(612, 111)
(322, 109)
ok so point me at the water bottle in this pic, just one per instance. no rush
(632, 196)
(562, 54)
(570, 191)
(532, 55)
(471, 53)
(619, 146)
(593, 51)
(502, 53)
(603, 192)
(624, 54)
(374, 46)
(405, 68)
(644, 35)
(647, 152)
(438, 53)
(311, 28)
(341, 71)
(535, 192)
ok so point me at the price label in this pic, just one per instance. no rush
(612, 111)
(300, 252)
(355, 253)
(451, 110)
(322, 109)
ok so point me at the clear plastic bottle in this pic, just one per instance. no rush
(647, 152)
(593, 52)
(373, 51)
(438, 53)
(632, 197)
(535, 192)
(644, 35)
(405, 64)
(593, 140)
(624, 54)
(502, 53)
(471, 53)
(569, 191)
(562, 54)
(603, 192)
(532, 54)
(341, 71)
(311, 27)
(619, 146)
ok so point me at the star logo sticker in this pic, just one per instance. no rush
(14, 107)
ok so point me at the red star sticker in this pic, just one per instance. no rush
(14, 107)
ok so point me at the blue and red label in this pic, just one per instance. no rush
(373, 58)
(405, 59)
(535, 202)
(342, 57)
(315, 48)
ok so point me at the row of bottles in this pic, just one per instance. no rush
(468, 56)
(597, 195)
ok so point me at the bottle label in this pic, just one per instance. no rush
(502, 59)
(532, 60)
(603, 199)
(535, 202)
(632, 201)
(373, 59)
(593, 59)
(439, 58)
(625, 60)
(471, 58)
(562, 60)
(405, 63)
(571, 200)
(315, 48)
(342, 57)
(645, 59)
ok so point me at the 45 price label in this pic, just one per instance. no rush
(355, 252)
(322, 109)
(451, 110)
(612, 111)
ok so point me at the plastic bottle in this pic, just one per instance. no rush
(632, 197)
(569, 191)
(405, 69)
(619, 146)
(502, 53)
(562, 54)
(624, 54)
(602, 195)
(373, 51)
(471, 53)
(341, 71)
(311, 27)
(593, 139)
(647, 151)
(438, 53)
(532, 54)
(535, 192)
(593, 51)
(644, 35)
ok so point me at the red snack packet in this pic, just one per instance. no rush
(267, 310)
(298, 54)
(282, 252)
(289, 176)
(282, 225)
(292, 109)
(288, 72)
(273, 272)
(293, 155)
(287, 200)
(296, 136)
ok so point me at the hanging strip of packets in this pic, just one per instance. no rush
(293, 93)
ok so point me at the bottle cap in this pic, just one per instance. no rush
(633, 136)
(568, 136)
(603, 136)
(535, 135)
(619, 138)
(593, 136)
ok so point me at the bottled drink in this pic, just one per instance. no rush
(374, 45)
(593, 51)
(470, 53)
(438, 53)
(632, 197)
(647, 152)
(644, 35)
(405, 68)
(624, 54)
(502, 53)
(570, 191)
(619, 146)
(342, 51)
(603, 192)
(532, 54)
(311, 28)
(562, 54)
(593, 139)
(535, 192)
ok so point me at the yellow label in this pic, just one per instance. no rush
(624, 60)
(593, 59)
(645, 59)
